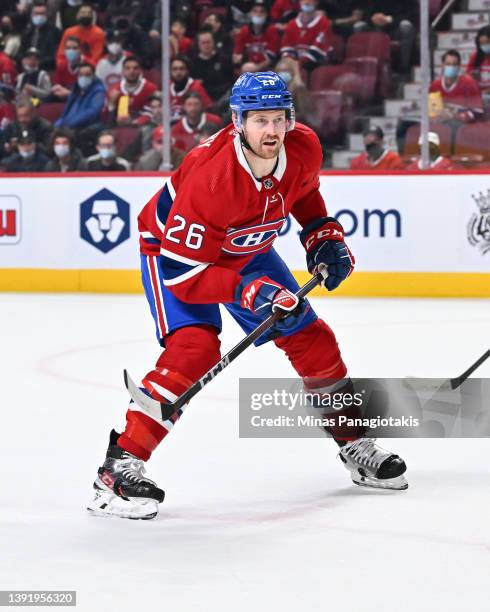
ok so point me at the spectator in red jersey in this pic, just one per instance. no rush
(257, 42)
(91, 37)
(42, 35)
(110, 67)
(128, 98)
(67, 67)
(377, 157)
(152, 159)
(179, 42)
(436, 160)
(306, 38)
(460, 92)
(187, 130)
(8, 71)
(214, 69)
(33, 82)
(479, 64)
(215, 22)
(182, 84)
(283, 11)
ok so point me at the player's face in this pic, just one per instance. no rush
(265, 132)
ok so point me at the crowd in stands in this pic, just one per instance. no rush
(81, 90)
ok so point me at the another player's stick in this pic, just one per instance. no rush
(162, 412)
(446, 384)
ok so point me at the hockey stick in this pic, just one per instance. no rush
(449, 384)
(162, 412)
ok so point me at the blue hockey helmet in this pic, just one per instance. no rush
(261, 91)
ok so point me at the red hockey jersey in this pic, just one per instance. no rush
(257, 48)
(464, 92)
(8, 71)
(212, 216)
(480, 74)
(138, 97)
(186, 137)
(177, 98)
(310, 42)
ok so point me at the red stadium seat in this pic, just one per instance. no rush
(328, 113)
(51, 111)
(369, 44)
(154, 75)
(367, 68)
(128, 142)
(337, 51)
(412, 136)
(473, 140)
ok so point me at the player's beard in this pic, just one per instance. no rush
(262, 150)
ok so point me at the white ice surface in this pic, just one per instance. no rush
(247, 524)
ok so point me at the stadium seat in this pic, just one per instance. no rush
(328, 113)
(369, 44)
(128, 142)
(337, 50)
(154, 75)
(411, 147)
(51, 111)
(367, 68)
(473, 140)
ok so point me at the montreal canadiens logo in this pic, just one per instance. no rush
(247, 240)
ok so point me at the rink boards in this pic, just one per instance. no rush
(411, 234)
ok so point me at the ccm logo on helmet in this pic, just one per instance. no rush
(269, 96)
(247, 240)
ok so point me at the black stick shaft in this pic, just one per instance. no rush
(459, 380)
(169, 410)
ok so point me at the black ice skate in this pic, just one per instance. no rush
(372, 466)
(121, 489)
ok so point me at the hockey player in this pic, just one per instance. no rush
(206, 239)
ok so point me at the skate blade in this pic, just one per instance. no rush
(394, 484)
(107, 504)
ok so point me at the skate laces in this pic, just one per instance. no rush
(366, 452)
(132, 468)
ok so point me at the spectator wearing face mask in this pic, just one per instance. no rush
(182, 84)
(41, 35)
(110, 68)
(91, 37)
(86, 101)
(479, 63)
(258, 42)
(288, 69)
(132, 37)
(65, 157)
(307, 38)
(68, 10)
(106, 159)
(67, 68)
(377, 157)
(33, 82)
(152, 159)
(460, 94)
(29, 157)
